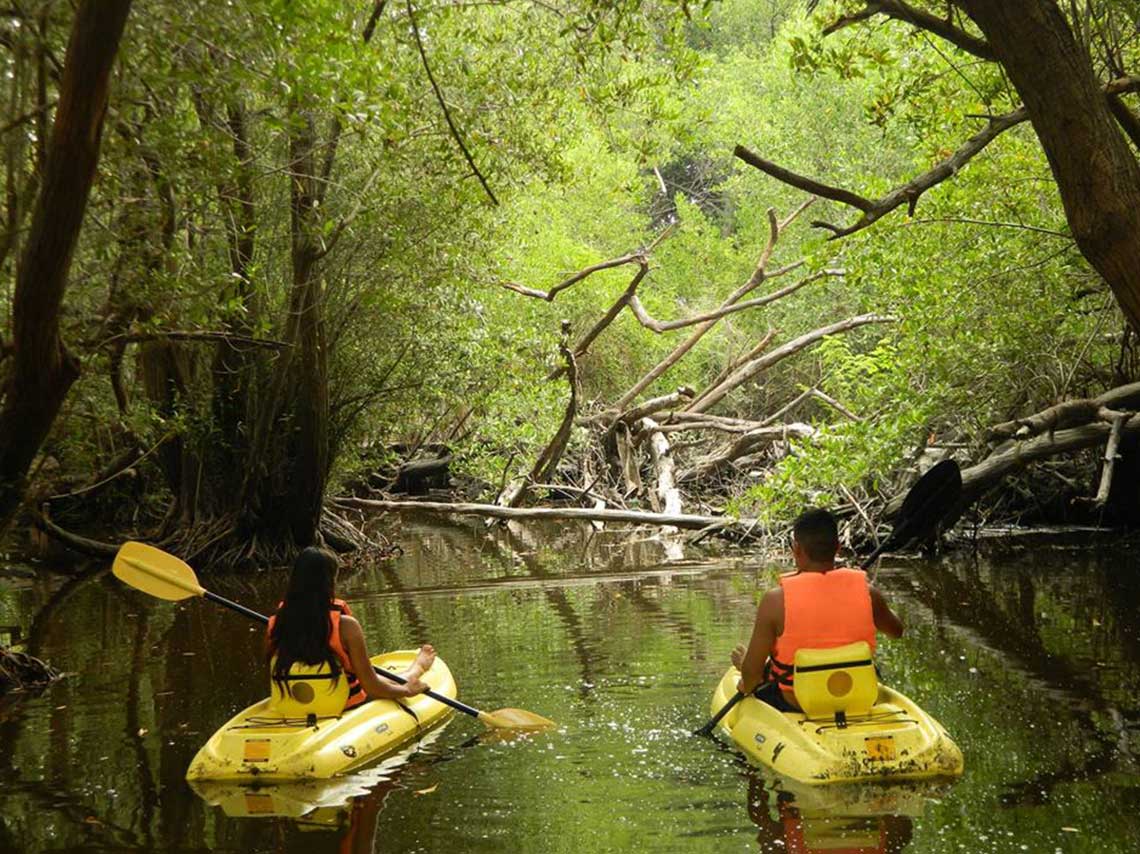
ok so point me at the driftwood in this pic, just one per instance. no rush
(1070, 413)
(656, 404)
(1110, 456)
(746, 444)
(750, 369)
(667, 496)
(687, 521)
(760, 347)
(20, 672)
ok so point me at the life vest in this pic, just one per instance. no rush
(298, 702)
(822, 610)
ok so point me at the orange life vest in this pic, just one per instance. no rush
(339, 608)
(821, 610)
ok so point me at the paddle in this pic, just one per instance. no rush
(153, 571)
(929, 500)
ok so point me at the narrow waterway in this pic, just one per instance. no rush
(1027, 654)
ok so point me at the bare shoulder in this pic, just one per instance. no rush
(349, 628)
(772, 604)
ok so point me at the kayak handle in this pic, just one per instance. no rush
(380, 671)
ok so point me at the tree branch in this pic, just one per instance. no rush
(666, 326)
(908, 193)
(920, 18)
(443, 105)
(637, 257)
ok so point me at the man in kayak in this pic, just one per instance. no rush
(819, 606)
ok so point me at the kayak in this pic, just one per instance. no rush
(312, 799)
(894, 739)
(259, 744)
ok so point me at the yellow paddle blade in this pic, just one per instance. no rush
(515, 719)
(155, 572)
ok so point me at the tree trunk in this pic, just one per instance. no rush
(42, 368)
(1096, 171)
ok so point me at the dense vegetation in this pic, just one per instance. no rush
(290, 269)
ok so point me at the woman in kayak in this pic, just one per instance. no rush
(819, 606)
(312, 627)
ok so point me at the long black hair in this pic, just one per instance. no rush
(301, 631)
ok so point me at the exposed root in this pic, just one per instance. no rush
(22, 672)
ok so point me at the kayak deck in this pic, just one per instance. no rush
(896, 740)
(259, 744)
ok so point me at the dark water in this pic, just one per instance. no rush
(1028, 655)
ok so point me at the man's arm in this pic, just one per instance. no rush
(769, 617)
(885, 619)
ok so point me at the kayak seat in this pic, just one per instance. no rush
(310, 690)
(838, 682)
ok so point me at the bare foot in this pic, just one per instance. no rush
(426, 658)
(738, 656)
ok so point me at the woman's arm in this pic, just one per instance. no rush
(352, 636)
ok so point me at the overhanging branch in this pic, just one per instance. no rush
(907, 193)
(899, 11)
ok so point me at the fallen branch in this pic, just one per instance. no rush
(83, 545)
(667, 326)
(687, 521)
(746, 444)
(749, 370)
(1111, 455)
(632, 258)
(733, 364)
(1069, 413)
(759, 275)
(667, 496)
(684, 394)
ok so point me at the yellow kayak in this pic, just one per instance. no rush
(892, 738)
(257, 744)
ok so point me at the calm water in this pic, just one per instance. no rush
(1028, 656)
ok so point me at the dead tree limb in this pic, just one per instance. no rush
(1069, 413)
(687, 521)
(733, 364)
(667, 326)
(809, 394)
(666, 497)
(759, 275)
(746, 444)
(631, 258)
(1015, 455)
(749, 370)
(547, 462)
(684, 394)
(1111, 455)
(907, 194)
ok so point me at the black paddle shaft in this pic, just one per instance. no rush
(380, 671)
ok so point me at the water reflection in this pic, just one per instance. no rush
(868, 819)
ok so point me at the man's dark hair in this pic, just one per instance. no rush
(816, 532)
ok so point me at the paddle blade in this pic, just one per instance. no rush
(929, 500)
(155, 572)
(515, 719)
